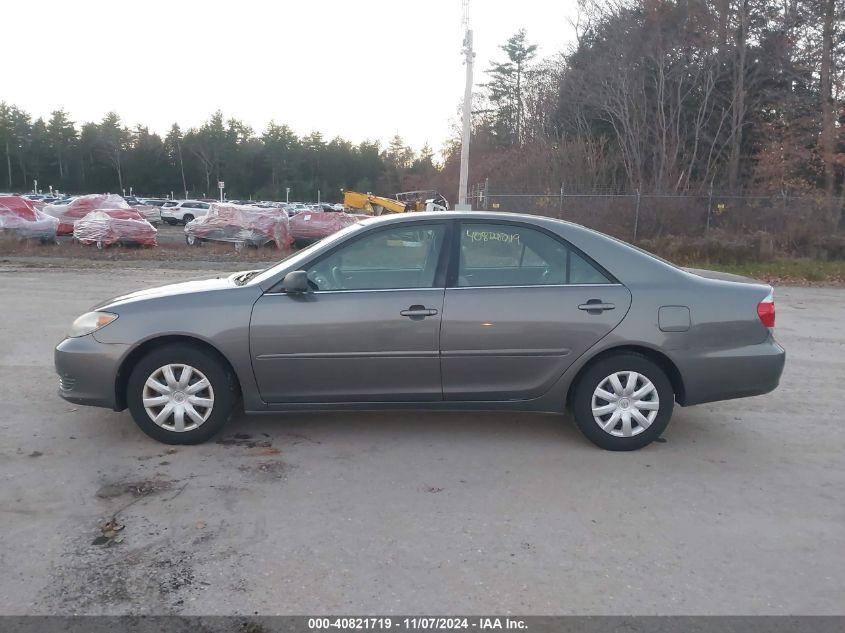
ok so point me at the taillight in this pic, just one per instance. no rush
(766, 310)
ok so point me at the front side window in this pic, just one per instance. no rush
(512, 255)
(393, 258)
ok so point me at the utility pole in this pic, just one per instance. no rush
(469, 56)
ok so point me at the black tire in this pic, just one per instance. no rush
(187, 218)
(222, 381)
(595, 375)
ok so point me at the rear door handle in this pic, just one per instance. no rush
(596, 306)
(418, 312)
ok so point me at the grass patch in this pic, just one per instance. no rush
(784, 270)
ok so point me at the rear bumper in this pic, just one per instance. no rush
(734, 373)
(87, 370)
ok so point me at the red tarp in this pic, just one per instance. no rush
(69, 214)
(312, 226)
(109, 226)
(242, 224)
(20, 216)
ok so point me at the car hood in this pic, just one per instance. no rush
(715, 274)
(182, 288)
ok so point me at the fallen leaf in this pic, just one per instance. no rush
(111, 526)
(200, 525)
(268, 450)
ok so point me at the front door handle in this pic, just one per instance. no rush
(418, 312)
(596, 306)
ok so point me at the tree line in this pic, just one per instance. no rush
(658, 96)
(108, 156)
(670, 96)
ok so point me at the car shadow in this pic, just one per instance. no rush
(415, 425)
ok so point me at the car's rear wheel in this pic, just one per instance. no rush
(187, 218)
(623, 402)
(181, 394)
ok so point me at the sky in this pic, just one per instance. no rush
(360, 69)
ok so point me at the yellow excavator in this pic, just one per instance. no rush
(404, 202)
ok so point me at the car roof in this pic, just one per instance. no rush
(470, 215)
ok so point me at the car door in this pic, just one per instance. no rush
(367, 331)
(521, 306)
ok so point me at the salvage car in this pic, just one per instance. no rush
(106, 227)
(69, 214)
(311, 226)
(443, 310)
(19, 217)
(241, 225)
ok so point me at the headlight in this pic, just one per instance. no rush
(90, 322)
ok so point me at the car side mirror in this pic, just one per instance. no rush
(295, 282)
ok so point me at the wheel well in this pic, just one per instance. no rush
(658, 358)
(122, 379)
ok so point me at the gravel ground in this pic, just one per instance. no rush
(740, 511)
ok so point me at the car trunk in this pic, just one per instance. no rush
(715, 274)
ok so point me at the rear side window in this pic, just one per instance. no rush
(170, 204)
(512, 255)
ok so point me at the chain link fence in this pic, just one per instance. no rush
(798, 225)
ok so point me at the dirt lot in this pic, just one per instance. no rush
(740, 511)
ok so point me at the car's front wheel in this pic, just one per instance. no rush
(181, 394)
(623, 402)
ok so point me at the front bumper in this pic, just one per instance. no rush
(87, 370)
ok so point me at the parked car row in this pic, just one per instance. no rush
(242, 222)
(97, 219)
(249, 222)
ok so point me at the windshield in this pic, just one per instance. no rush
(293, 260)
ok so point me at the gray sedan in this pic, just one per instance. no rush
(466, 311)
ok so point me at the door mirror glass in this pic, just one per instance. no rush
(295, 282)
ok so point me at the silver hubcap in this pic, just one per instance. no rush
(625, 404)
(178, 397)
